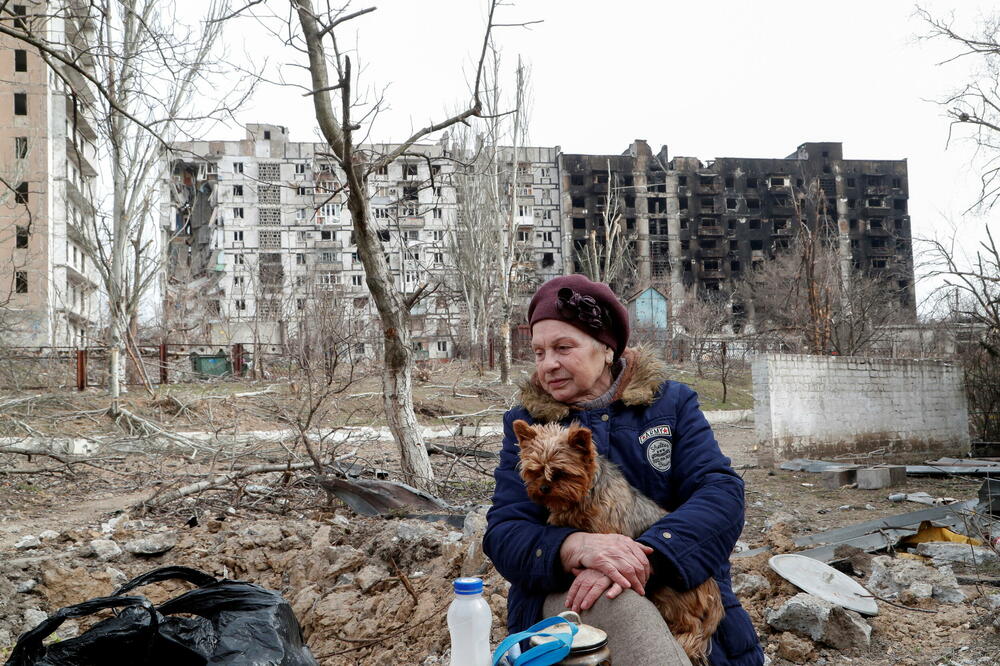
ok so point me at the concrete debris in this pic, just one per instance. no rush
(746, 586)
(794, 649)
(371, 576)
(822, 621)
(26, 586)
(32, 618)
(891, 576)
(48, 535)
(779, 518)
(916, 592)
(105, 550)
(957, 553)
(156, 544)
(473, 559)
(27, 542)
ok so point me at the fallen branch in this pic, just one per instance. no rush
(461, 451)
(217, 482)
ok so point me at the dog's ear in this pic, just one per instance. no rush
(524, 431)
(579, 438)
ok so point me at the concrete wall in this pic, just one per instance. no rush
(824, 406)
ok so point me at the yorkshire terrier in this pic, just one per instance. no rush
(563, 472)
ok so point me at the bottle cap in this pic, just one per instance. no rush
(468, 585)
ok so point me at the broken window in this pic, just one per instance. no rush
(751, 183)
(851, 203)
(879, 262)
(21, 241)
(238, 213)
(383, 235)
(780, 223)
(578, 202)
(874, 181)
(409, 171)
(753, 204)
(855, 243)
(899, 204)
(731, 204)
(267, 135)
(237, 190)
(20, 282)
(240, 304)
(730, 181)
(826, 168)
(20, 147)
(683, 202)
(630, 223)
(238, 259)
(629, 201)
(756, 244)
(269, 171)
(548, 259)
(237, 167)
(20, 104)
(850, 182)
(706, 181)
(576, 181)
(878, 242)
(896, 182)
(682, 181)
(685, 245)
(579, 223)
(382, 170)
(708, 243)
(707, 203)
(300, 259)
(21, 193)
(711, 265)
(237, 280)
(875, 223)
(777, 181)
(734, 266)
(328, 235)
(853, 225)
(20, 60)
(754, 223)
(684, 223)
(781, 244)
(898, 224)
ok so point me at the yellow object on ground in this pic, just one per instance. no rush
(928, 532)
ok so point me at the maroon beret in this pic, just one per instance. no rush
(589, 306)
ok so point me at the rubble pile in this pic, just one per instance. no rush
(365, 590)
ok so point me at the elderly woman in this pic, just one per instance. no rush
(653, 429)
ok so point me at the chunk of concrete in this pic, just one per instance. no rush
(837, 478)
(747, 585)
(155, 544)
(960, 553)
(27, 542)
(820, 620)
(105, 550)
(891, 576)
(881, 476)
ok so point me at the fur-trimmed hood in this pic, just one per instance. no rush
(640, 385)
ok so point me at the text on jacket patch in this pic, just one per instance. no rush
(658, 448)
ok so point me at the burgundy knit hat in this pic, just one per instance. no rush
(589, 306)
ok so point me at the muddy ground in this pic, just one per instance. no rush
(369, 590)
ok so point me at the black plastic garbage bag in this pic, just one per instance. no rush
(228, 623)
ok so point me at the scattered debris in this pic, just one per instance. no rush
(820, 620)
(824, 582)
(892, 576)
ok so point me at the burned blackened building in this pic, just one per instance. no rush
(697, 228)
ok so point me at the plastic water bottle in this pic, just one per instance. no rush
(469, 621)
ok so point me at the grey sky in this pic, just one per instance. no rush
(711, 79)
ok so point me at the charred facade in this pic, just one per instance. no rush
(696, 228)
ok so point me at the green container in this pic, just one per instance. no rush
(215, 365)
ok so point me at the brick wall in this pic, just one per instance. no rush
(827, 406)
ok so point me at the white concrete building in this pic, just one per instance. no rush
(48, 287)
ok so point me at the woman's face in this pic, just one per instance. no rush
(572, 366)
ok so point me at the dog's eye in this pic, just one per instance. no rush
(556, 475)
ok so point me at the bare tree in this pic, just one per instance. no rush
(136, 69)
(332, 70)
(608, 257)
(807, 298)
(702, 322)
(974, 108)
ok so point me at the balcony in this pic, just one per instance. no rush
(716, 274)
(710, 231)
(713, 252)
(329, 244)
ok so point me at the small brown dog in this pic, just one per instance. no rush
(563, 472)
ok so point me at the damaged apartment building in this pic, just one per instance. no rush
(49, 292)
(697, 228)
(257, 230)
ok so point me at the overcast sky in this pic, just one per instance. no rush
(711, 79)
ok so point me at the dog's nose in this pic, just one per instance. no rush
(545, 490)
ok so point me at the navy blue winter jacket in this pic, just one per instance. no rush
(656, 433)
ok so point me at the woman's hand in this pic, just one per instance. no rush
(588, 587)
(623, 560)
